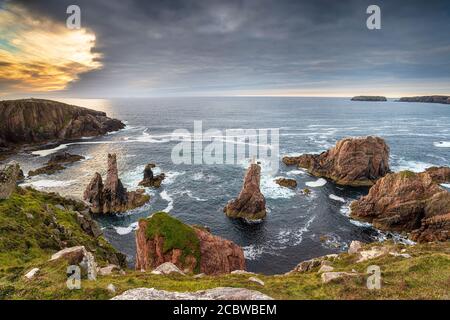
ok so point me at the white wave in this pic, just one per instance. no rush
(445, 185)
(318, 183)
(271, 189)
(171, 176)
(345, 210)
(411, 165)
(360, 223)
(42, 184)
(295, 172)
(164, 195)
(132, 178)
(252, 252)
(46, 152)
(126, 230)
(442, 144)
(335, 197)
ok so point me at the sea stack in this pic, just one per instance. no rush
(369, 98)
(162, 238)
(150, 180)
(407, 202)
(352, 162)
(250, 203)
(112, 196)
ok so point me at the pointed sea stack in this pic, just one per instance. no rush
(112, 197)
(250, 203)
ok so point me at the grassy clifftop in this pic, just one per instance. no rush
(28, 237)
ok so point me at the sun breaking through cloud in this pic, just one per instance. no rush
(39, 55)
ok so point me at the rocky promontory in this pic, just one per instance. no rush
(428, 99)
(369, 98)
(162, 238)
(9, 176)
(38, 121)
(250, 203)
(407, 202)
(112, 196)
(352, 161)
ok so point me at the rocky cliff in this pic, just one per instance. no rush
(162, 238)
(353, 161)
(407, 202)
(9, 176)
(429, 99)
(250, 203)
(112, 196)
(30, 121)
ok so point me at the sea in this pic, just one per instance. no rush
(297, 226)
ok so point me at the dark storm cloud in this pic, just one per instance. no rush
(226, 47)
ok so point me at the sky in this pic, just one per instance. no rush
(135, 48)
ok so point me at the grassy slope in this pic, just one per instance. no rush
(424, 276)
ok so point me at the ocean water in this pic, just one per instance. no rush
(297, 227)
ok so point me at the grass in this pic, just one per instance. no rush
(176, 234)
(407, 174)
(27, 242)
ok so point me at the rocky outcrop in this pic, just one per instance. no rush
(250, 203)
(9, 176)
(150, 180)
(439, 174)
(429, 99)
(78, 256)
(353, 161)
(112, 196)
(288, 183)
(54, 164)
(162, 238)
(409, 202)
(369, 98)
(37, 121)
(221, 293)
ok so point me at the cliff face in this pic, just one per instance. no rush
(353, 161)
(30, 121)
(162, 238)
(250, 203)
(407, 201)
(429, 99)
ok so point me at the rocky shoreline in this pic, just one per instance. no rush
(427, 99)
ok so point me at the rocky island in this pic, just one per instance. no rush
(112, 197)
(428, 99)
(352, 161)
(39, 121)
(369, 98)
(55, 163)
(250, 203)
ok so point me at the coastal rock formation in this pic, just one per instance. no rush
(162, 238)
(429, 99)
(288, 183)
(112, 196)
(407, 201)
(353, 161)
(9, 176)
(369, 98)
(78, 256)
(221, 293)
(250, 203)
(150, 180)
(31, 121)
(54, 164)
(439, 174)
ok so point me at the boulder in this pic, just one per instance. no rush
(64, 157)
(112, 196)
(372, 253)
(325, 268)
(105, 271)
(78, 256)
(150, 180)
(406, 202)
(38, 121)
(54, 164)
(221, 293)
(355, 246)
(32, 273)
(47, 169)
(167, 268)
(288, 183)
(162, 238)
(331, 276)
(9, 176)
(439, 174)
(353, 161)
(88, 224)
(250, 203)
(256, 280)
(111, 288)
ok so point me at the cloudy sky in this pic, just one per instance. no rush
(224, 48)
